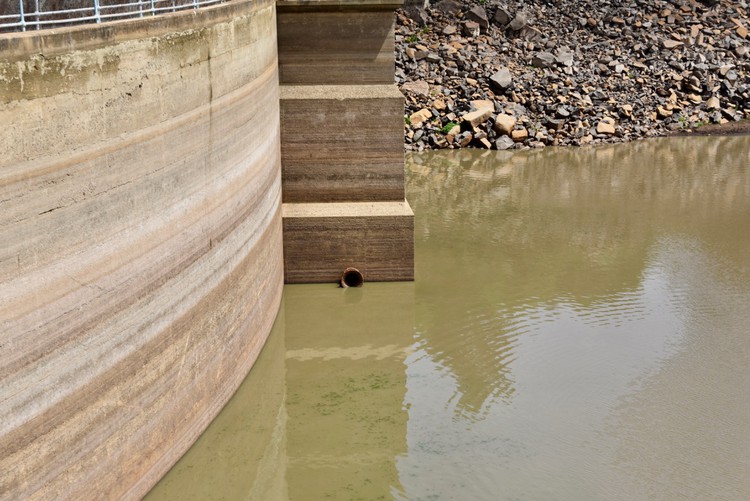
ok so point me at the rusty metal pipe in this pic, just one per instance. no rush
(352, 277)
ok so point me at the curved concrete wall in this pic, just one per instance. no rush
(140, 241)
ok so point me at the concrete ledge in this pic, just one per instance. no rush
(339, 92)
(341, 143)
(343, 209)
(321, 240)
(311, 5)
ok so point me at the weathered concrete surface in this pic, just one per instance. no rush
(342, 143)
(336, 41)
(140, 242)
(323, 239)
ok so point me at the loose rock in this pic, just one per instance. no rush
(569, 72)
(606, 126)
(519, 135)
(482, 113)
(504, 124)
(543, 60)
(501, 80)
(504, 143)
(479, 16)
(420, 116)
(419, 87)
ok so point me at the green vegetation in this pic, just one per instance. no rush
(447, 127)
(414, 37)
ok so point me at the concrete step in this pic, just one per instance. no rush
(342, 143)
(336, 41)
(321, 240)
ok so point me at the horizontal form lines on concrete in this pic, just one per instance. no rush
(39, 14)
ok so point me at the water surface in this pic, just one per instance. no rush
(578, 329)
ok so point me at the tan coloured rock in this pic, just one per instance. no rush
(419, 87)
(420, 116)
(519, 135)
(504, 123)
(482, 104)
(452, 133)
(484, 109)
(606, 126)
(661, 112)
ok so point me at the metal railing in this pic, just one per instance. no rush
(98, 12)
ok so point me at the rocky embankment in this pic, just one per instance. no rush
(563, 72)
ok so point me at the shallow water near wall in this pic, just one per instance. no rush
(578, 329)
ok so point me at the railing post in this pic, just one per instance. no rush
(97, 14)
(153, 8)
(36, 13)
(20, 13)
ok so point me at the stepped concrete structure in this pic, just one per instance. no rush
(156, 184)
(342, 142)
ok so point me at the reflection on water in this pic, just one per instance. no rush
(321, 415)
(577, 330)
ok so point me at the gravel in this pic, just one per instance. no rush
(566, 72)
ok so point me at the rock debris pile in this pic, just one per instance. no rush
(562, 72)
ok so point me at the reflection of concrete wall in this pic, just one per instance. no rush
(140, 241)
(346, 382)
(242, 454)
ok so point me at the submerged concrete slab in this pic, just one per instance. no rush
(323, 239)
(342, 143)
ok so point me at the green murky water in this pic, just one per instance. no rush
(579, 330)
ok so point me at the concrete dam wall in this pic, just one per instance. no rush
(140, 241)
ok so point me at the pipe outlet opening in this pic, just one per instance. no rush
(352, 277)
